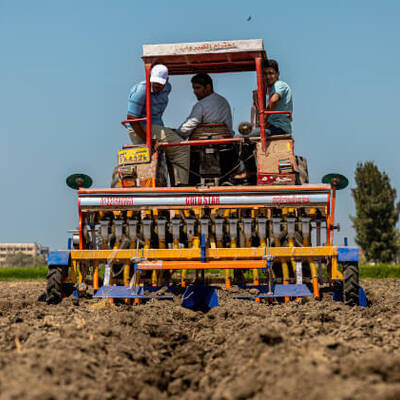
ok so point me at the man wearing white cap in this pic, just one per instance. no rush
(160, 89)
(178, 156)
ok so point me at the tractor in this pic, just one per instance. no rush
(269, 234)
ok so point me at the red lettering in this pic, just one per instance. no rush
(116, 202)
(202, 200)
(291, 199)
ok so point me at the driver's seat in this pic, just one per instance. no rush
(210, 163)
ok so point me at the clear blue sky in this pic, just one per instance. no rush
(66, 69)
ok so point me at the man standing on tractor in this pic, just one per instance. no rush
(211, 108)
(178, 156)
(160, 89)
(279, 99)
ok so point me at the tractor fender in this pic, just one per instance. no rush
(59, 258)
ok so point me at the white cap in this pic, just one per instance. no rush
(159, 74)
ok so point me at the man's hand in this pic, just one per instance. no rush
(272, 102)
(157, 145)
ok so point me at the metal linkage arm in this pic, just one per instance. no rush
(277, 112)
(126, 123)
(201, 142)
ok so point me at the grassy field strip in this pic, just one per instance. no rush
(379, 271)
(23, 273)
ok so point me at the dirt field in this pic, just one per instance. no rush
(240, 350)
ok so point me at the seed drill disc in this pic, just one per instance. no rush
(337, 180)
(77, 181)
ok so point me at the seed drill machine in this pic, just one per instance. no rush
(267, 237)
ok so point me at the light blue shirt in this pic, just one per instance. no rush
(159, 102)
(285, 103)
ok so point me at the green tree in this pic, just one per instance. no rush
(376, 213)
(397, 260)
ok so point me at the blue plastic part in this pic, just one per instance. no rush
(125, 292)
(203, 248)
(278, 290)
(363, 301)
(59, 257)
(347, 254)
(69, 245)
(362, 296)
(203, 254)
(337, 295)
(200, 297)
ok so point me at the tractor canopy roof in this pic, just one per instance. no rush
(211, 57)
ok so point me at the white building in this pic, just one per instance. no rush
(31, 249)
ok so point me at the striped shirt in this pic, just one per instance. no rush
(159, 102)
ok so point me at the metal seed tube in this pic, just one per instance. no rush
(118, 229)
(204, 225)
(132, 231)
(130, 201)
(146, 223)
(161, 228)
(104, 228)
(262, 230)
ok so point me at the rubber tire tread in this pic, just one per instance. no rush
(351, 286)
(54, 285)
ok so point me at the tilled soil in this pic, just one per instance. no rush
(239, 350)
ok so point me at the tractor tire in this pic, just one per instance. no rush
(55, 285)
(351, 285)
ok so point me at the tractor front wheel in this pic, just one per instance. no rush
(351, 286)
(55, 277)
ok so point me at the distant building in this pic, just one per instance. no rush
(31, 249)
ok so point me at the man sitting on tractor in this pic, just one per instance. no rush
(279, 99)
(210, 109)
(178, 156)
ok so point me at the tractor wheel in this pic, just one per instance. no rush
(55, 285)
(350, 285)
